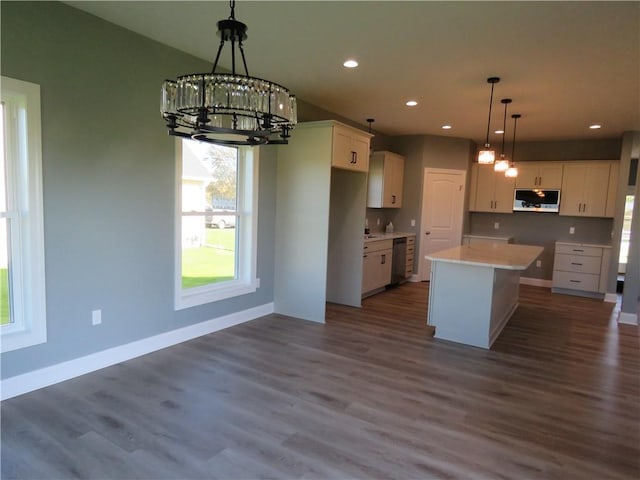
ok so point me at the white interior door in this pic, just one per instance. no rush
(442, 213)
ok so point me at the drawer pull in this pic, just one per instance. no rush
(575, 281)
(579, 264)
(577, 250)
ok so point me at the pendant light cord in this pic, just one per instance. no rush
(492, 81)
(513, 145)
(506, 102)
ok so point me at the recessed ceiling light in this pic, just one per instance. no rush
(595, 126)
(411, 103)
(447, 127)
(499, 132)
(350, 63)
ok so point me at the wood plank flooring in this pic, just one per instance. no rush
(370, 394)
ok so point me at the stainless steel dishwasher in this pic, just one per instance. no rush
(399, 265)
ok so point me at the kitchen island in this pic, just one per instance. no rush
(474, 290)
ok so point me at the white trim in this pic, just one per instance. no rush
(536, 282)
(611, 297)
(13, 386)
(24, 147)
(628, 318)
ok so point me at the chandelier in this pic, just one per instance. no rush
(228, 108)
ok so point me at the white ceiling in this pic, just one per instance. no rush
(566, 65)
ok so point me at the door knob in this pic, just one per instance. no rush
(427, 233)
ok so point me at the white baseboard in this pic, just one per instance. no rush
(27, 382)
(535, 282)
(628, 318)
(611, 297)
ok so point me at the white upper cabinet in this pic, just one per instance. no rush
(490, 191)
(586, 187)
(386, 175)
(543, 175)
(350, 149)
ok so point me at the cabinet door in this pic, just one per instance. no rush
(369, 271)
(350, 150)
(595, 193)
(392, 180)
(360, 146)
(503, 197)
(550, 175)
(341, 157)
(528, 174)
(485, 189)
(573, 180)
(384, 268)
(539, 175)
(610, 211)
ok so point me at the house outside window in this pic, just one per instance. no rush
(22, 281)
(216, 192)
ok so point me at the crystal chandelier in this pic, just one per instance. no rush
(228, 108)
(486, 156)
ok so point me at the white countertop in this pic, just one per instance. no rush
(488, 237)
(374, 237)
(578, 244)
(505, 256)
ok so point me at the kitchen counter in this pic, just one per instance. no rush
(374, 237)
(494, 255)
(474, 290)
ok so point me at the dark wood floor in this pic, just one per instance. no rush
(368, 395)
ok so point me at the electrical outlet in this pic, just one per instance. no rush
(538, 263)
(572, 230)
(496, 226)
(96, 317)
(378, 222)
(413, 223)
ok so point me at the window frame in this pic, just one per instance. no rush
(23, 157)
(246, 280)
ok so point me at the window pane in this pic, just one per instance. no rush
(5, 296)
(626, 229)
(209, 214)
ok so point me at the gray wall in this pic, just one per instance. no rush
(108, 183)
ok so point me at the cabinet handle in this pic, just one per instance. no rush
(578, 264)
(393, 199)
(577, 250)
(354, 157)
(575, 281)
(495, 204)
(383, 259)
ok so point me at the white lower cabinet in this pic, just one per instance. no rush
(581, 269)
(376, 265)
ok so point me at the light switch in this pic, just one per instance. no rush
(496, 226)
(572, 230)
(413, 223)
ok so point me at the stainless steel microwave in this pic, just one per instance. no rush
(536, 200)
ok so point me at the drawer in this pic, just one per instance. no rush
(577, 263)
(578, 250)
(409, 259)
(410, 249)
(576, 281)
(411, 240)
(376, 245)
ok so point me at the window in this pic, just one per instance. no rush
(22, 287)
(216, 222)
(626, 233)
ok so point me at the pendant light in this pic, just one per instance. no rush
(512, 171)
(487, 156)
(228, 108)
(503, 164)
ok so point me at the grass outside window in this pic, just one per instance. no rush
(213, 262)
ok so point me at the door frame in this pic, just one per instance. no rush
(422, 244)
